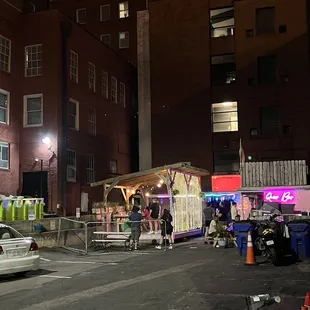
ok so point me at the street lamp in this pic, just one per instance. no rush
(46, 140)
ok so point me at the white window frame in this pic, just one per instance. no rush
(7, 93)
(105, 84)
(101, 12)
(26, 97)
(74, 66)
(105, 35)
(72, 167)
(123, 12)
(122, 94)
(77, 116)
(113, 89)
(5, 144)
(39, 68)
(234, 109)
(126, 33)
(77, 16)
(90, 168)
(92, 76)
(92, 123)
(5, 55)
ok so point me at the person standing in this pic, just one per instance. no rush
(155, 210)
(208, 213)
(166, 229)
(135, 219)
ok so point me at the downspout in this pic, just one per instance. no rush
(65, 28)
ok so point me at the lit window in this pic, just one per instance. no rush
(71, 166)
(90, 170)
(91, 76)
(5, 54)
(73, 114)
(92, 121)
(81, 15)
(33, 110)
(74, 67)
(122, 94)
(123, 9)
(225, 116)
(113, 89)
(33, 60)
(4, 106)
(222, 22)
(105, 85)
(105, 38)
(123, 41)
(4, 155)
(105, 12)
(113, 166)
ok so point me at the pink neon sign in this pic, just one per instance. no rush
(280, 196)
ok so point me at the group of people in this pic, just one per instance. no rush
(222, 215)
(152, 215)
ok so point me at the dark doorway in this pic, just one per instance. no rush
(35, 185)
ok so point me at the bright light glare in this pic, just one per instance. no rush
(227, 104)
(46, 140)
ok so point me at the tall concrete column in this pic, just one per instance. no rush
(144, 91)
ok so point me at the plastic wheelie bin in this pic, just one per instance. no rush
(300, 238)
(241, 230)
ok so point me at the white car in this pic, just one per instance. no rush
(18, 254)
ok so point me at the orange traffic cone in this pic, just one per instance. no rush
(250, 258)
(307, 300)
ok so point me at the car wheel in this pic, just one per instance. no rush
(20, 274)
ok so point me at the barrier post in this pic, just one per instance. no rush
(86, 237)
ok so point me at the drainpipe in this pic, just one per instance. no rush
(65, 29)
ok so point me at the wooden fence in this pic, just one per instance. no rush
(275, 173)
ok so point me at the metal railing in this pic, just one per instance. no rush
(88, 237)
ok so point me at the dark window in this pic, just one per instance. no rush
(223, 69)
(270, 120)
(226, 161)
(253, 132)
(265, 21)
(267, 69)
(222, 22)
(282, 28)
(249, 33)
(113, 166)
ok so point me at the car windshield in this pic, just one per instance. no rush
(9, 233)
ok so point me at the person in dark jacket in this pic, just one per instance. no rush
(166, 229)
(135, 219)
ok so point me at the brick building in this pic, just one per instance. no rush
(112, 21)
(223, 70)
(65, 101)
(218, 71)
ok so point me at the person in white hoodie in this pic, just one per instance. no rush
(233, 210)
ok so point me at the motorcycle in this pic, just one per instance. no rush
(268, 241)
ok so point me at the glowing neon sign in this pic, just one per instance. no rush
(280, 196)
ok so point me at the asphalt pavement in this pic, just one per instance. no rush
(191, 276)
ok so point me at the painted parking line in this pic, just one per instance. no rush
(89, 263)
(55, 277)
(45, 259)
